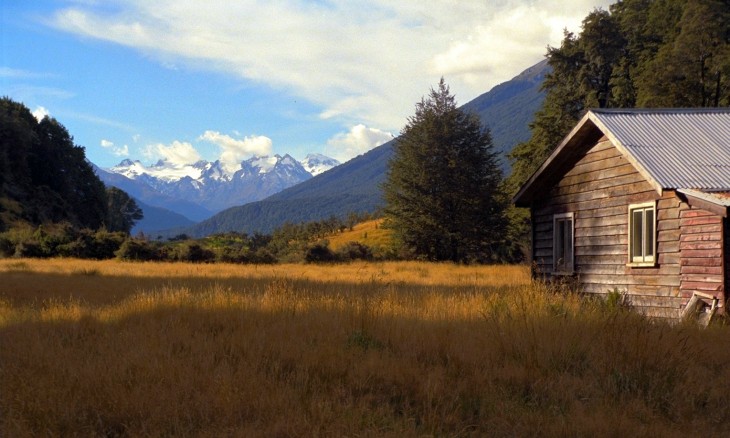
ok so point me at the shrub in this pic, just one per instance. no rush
(319, 253)
(354, 251)
(7, 247)
(192, 252)
(136, 249)
(261, 256)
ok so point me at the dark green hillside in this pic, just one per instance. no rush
(355, 186)
(44, 176)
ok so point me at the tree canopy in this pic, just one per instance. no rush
(122, 211)
(442, 193)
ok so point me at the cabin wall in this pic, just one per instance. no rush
(598, 190)
(701, 252)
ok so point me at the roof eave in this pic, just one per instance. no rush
(524, 196)
(698, 199)
(527, 192)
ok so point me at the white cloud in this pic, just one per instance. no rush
(177, 153)
(118, 151)
(358, 140)
(40, 112)
(361, 61)
(122, 151)
(233, 151)
(14, 73)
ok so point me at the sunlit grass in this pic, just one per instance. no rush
(370, 233)
(394, 349)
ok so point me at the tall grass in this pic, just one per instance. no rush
(113, 349)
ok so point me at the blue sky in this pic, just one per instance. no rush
(182, 80)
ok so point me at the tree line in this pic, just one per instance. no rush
(291, 243)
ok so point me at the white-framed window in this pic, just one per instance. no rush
(642, 233)
(563, 243)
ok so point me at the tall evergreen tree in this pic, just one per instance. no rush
(443, 194)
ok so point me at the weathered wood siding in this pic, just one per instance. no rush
(598, 190)
(701, 251)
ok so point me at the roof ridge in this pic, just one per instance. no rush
(695, 110)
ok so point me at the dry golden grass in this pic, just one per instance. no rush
(369, 233)
(393, 349)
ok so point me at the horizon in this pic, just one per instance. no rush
(177, 82)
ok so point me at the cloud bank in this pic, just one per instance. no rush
(360, 61)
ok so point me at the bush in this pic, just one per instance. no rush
(7, 247)
(193, 252)
(28, 249)
(319, 253)
(136, 249)
(354, 251)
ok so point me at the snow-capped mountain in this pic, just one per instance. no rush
(215, 186)
(318, 163)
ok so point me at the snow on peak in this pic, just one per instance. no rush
(318, 163)
(162, 170)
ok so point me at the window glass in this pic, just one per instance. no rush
(563, 242)
(642, 226)
(636, 231)
(649, 233)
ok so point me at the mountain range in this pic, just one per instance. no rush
(179, 195)
(355, 186)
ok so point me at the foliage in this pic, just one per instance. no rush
(443, 195)
(137, 250)
(354, 251)
(122, 211)
(319, 253)
(191, 252)
(45, 172)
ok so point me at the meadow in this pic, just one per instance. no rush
(110, 348)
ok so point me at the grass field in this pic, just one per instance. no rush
(384, 349)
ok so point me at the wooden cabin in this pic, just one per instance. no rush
(636, 201)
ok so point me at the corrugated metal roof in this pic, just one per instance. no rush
(679, 148)
(718, 198)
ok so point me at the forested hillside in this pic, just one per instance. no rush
(44, 176)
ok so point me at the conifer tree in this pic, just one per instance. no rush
(443, 195)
